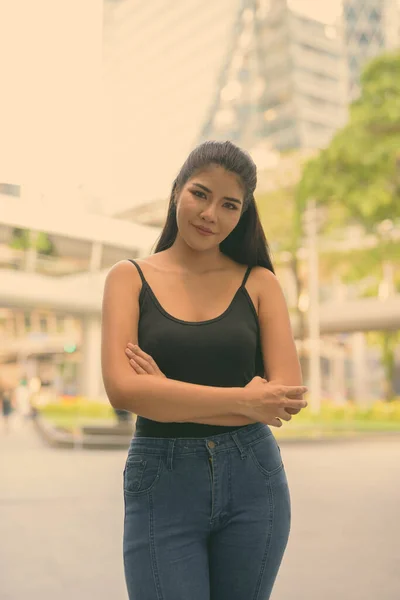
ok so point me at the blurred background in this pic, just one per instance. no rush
(101, 102)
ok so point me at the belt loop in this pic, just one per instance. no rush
(239, 445)
(170, 455)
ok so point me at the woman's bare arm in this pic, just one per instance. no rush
(157, 398)
(281, 362)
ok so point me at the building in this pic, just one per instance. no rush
(283, 82)
(270, 77)
(10, 189)
(160, 61)
(369, 27)
(50, 302)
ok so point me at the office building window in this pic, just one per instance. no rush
(319, 51)
(350, 13)
(10, 189)
(375, 15)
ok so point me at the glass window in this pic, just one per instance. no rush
(318, 51)
(353, 63)
(375, 15)
(60, 323)
(10, 189)
(43, 324)
(350, 13)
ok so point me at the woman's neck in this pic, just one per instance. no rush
(196, 261)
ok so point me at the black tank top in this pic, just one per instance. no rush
(222, 352)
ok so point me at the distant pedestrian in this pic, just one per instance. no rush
(6, 407)
(22, 402)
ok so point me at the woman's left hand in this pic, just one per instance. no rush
(142, 363)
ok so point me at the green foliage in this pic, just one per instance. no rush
(81, 408)
(357, 264)
(360, 169)
(278, 216)
(44, 245)
(357, 179)
(330, 412)
(279, 213)
(21, 240)
(378, 107)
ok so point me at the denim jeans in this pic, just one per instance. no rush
(205, 519)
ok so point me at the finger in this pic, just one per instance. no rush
(293, 403)
(292, 411)
(144, 364)
(294, 390)
(275, 422)
(131, 362)
(138, 360)
(285, 416)
(140, 353)
(129, 353)
(137, 367)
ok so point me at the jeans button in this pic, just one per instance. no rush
(211, 444)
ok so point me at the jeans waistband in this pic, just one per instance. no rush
(239, 438)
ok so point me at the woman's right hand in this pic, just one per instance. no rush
(267, 401)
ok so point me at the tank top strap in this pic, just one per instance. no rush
(246, 276)
(142, 277)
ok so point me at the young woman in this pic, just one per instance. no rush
(196, 341)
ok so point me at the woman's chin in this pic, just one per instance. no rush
(200, 245)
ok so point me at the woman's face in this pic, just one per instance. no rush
(210, 200)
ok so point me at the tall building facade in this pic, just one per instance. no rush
(369, 28)
(160, 63)
(283, 82)
(256, 72)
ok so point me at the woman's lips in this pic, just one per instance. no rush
(203, 231)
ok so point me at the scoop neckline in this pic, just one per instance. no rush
(183, 322)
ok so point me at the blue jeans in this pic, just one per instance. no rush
(205, 519)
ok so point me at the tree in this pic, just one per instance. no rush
(282, 222)
(365, 267)
(360, 169)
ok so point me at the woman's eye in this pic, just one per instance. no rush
(231, 206)
(198, 193)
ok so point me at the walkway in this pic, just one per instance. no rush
(62, 511)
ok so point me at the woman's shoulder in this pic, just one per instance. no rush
(263, 274)
(123, 274)
(263, 282)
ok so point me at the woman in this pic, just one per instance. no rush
(207, 506)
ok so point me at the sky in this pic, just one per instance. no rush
(53, 135)
(50, 53)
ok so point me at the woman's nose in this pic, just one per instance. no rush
(208, 213)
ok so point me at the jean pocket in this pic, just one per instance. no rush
(141, 473)
(266, 455)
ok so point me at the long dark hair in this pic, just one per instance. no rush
(246, 244)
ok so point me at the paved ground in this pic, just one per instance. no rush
(61, 521)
